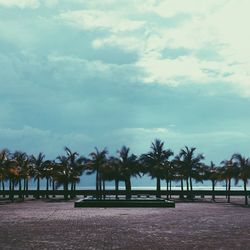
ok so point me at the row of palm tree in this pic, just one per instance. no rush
(66, 170)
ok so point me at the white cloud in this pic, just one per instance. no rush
(171, 72)
(20, 3)
(218, 24)
(95, 19)
(51, 3)
(169, 8)
(89, 66)
(86, 69)
(132, 26)
(125, 42)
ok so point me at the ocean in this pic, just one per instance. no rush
(145, 183)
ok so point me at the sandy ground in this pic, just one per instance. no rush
(58, 225)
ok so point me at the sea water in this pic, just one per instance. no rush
(143, 183)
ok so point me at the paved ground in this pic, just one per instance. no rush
(58, 225)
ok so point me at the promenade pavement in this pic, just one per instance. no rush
(39, 224)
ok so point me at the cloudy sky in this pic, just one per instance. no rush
(107, 73)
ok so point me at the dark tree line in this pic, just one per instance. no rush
(160, 163)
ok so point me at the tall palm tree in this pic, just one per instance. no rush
(54, 172)
(37, 169)
(212, 174)
(128, 167)
(97, 161)
(190, 163)
(46, 173)
(75, 168)
(156, 162)
(12, 173)
(63, 173)
(243, 165)
(4, 154)
(22, 161)
(228, 172)
(111, 172)
(179, 172)
(170, 172)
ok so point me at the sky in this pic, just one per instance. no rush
(107, 73)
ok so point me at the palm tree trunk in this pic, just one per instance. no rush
(128, 188)
(100, 182)
(38, 188)
(116, 188)
(47, 187)
(181, 196)
(158, 187)
(53, 188)
(74, 189)
(20, 188)
(66, 189)
(229, 188)
(10, 189)
(213, 187)
(97, 183)
(191, 184)
(103, 188)
(226, 186)
(191, 187)
(71, 189)
(3, 188)
(100, 185)
(245, 190)
(187, 187)
(170, 188)
(27, 186)
(167, 188)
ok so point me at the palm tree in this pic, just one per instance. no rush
(97, 161)
(190, 163)
(211, 173)
(62, 177)
(4, 154)
(156, 162)
(22, 161)
(169, 175)
(54, 170)
(228, 172)
(75, 168)
(37, 169)
(12, 173)
(46, 173)
(179, 171)
(243, 165)
(128, 167)
(111, 172)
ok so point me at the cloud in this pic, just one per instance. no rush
(95, 19)
(33, 4)
(168, 8)
(51, 3)
(217, 44)
(208, 29)
(46, 141)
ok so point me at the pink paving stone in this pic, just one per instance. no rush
(58, 225)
